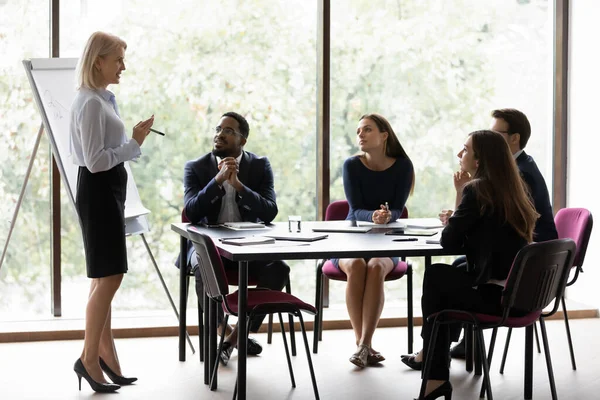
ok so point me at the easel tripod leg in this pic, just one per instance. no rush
(164, 285)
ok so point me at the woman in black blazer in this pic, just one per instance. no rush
(494, 219)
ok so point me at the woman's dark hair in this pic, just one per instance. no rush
(499, 186)
(393, 148)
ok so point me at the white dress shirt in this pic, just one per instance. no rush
(98, 139)
(230, 211)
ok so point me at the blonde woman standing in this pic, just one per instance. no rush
(99, 146)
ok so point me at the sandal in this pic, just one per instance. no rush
(374, 357)
(360, 357)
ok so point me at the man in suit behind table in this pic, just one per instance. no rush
(233, 185)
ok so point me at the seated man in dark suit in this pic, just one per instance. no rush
(515, 127)
(233, 185)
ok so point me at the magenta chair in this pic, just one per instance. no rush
(537, 278)
(576, 224)
(232, 278)
(337, 211)
(260, 301)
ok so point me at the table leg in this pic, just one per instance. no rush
(182, 295)
(242, 328)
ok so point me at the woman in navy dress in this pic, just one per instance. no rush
(377, 184)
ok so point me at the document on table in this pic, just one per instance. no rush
(244, 241)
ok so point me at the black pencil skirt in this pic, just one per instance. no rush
(100, 203)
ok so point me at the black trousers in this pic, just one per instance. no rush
(448, 287)
(268, 274)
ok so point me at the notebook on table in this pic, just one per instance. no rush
(390, 225)
(424, 223)
(347, 229)
(298, 236)
(411, 232)
(244, 241)
(237, 226)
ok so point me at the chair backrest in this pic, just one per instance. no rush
(339, 209)
(576, 224)
(539, 275)
(210, 265)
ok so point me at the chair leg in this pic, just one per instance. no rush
(288, 289)
(537, 339)
(484, 362)
(270, 329)
(206, 339)
(469, 348)
(528, 381)
(319, 307)
(219, 349)
(409, 300)
(489, 360)
(548, 359)
(564, 307)
(200, 330)
(477, 361)
(429, 358)
(506, 344)
(287, 351)
(308, 357)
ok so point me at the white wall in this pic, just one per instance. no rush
(583, 179)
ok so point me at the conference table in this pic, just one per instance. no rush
(337, 245)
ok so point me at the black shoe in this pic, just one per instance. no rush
(445, 389)
(409, 360)
(254, 348)
(459, 351)
(96, 386)
(226, 353)
(118, 379)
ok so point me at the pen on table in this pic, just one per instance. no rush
(159, 132)
(405, 240)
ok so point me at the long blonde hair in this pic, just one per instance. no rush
(100, 44)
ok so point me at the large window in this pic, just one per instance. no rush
(188, 63)
(436, 69)
(25, 274)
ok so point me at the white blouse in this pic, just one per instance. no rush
(98, 139)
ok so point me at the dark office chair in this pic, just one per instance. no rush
(232, 278)
(336, 211)
(260, 301)
(538, 277)
(576, 224)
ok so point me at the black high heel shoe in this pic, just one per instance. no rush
(411, 361)
(118, 379)
(96, 386)
(445, 389)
